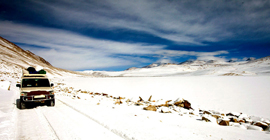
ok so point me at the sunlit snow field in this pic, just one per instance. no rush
(249, 95)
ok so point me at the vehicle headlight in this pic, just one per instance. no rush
(51, 92)
(23, 93)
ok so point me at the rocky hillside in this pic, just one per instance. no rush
(13, 59)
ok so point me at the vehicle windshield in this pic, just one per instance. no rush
(35, 83)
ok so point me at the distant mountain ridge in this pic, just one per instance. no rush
(247, 67)
(202, 62)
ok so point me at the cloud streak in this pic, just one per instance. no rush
(73, 51)
(182, 22)
(104, 33)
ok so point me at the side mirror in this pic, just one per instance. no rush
(51, 84)
(18, 85)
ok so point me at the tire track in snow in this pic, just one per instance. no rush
(46, 122)
(61, 122)
(95, 120)
(70, 124)
(32, 124)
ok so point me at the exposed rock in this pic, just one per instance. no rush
(250, 59)
(118, 102)
(167, 103)
(209, 118)
(150, 98)
(151, 108)
(120, 98)
(207, 112)
(141, 100)
(205, 119)
(224, 122)
(230, 114)
(179, 103)
(261, 124)
(234, 119)
(128, 100)
(231, 74)
(216, 116)
(187, 104)
(103, 94)
(138, 103)
(165, 111)
(241, 121)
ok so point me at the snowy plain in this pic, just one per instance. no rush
(102, 118)
(247, 95)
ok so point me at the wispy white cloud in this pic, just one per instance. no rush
(73, 51)
(183, 22)
(174, 21)
(199, 55)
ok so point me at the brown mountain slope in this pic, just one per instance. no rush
(13, 59)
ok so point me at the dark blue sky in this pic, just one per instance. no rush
(118, 34)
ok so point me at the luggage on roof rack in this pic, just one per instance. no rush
(31, 71)
(42, 72)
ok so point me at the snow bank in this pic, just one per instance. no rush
(8, 113)
(5, 85)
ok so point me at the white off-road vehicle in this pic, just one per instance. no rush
(35, 88)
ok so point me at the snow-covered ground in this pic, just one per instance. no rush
(82, 112)
(42, 122)
(238, 94)
(216, 94)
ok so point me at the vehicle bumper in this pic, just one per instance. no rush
(37, 98)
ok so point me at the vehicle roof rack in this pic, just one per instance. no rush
(31, 72)
(34, 75)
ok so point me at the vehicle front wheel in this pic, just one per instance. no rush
(51, 103)
(23, 106)
(18, 103)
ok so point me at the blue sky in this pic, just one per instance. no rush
(118, 34)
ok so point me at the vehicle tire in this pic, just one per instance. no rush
(51, 103)
(18, 103)
(23, 105)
